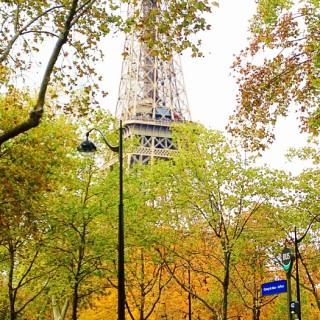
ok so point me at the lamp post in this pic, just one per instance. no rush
(87, 147)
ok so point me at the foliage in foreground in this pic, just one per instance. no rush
(204, 231)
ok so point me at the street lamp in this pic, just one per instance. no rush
(87, 148)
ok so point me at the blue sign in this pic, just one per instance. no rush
(274, 287)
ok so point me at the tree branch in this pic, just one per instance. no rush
(37, 112)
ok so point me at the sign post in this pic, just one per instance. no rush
(287, 260)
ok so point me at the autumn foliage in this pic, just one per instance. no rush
(278, 73)
(204, 229)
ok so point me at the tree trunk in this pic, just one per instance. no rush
(59, 314)
(226, 282)
(11, 291)
(75, 300)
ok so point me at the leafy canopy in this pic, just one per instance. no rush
(279, 71)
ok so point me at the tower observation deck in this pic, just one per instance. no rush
(151, 94)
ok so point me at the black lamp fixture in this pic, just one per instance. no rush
(87, 148)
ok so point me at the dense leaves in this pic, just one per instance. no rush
(210, 229)
(279, 72)
(204, 232)
(224, 194)
(30, 171)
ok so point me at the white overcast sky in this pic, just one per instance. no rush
(210, 89)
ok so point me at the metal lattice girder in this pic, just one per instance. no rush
(151, 93)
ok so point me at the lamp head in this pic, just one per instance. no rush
(87, 148)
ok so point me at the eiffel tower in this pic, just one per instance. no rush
(151, 95)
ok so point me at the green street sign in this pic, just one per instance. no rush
(287, 259)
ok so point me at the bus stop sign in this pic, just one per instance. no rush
(287, 259)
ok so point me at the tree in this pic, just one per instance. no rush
(79, 240)
(220, 194)
(29, 170)
(304, 217)
(278, 72)
(146, 278)
(257, 264)
(65, 37)
(81, 237)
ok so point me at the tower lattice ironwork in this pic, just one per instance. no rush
(151, 95)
